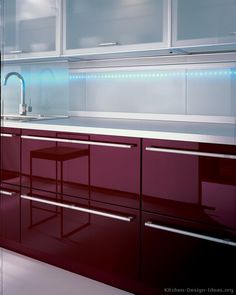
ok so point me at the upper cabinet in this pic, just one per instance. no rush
(31, 28)
(203, 22)
(127, 28)
(108, 26)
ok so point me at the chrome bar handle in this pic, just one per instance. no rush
(6, 193)
(78, 208)
(188, 233)
(107, 144)
(190, 153)
(14, 51)
(108, 44)
(6, 135)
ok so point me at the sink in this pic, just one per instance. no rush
(26, 118)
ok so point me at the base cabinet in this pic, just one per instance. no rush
(174, 257)
(144, 220)
(91, 238)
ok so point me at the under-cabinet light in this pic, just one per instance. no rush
(151, 75)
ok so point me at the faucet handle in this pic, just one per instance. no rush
(30, 108)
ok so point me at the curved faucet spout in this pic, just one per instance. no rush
(22, 106)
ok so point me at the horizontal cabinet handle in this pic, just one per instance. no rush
(108, 44)
(14, 51)
(108, 144)
(188, 233)
(81, 209)
(6, 135)
(6, 193)
(190, 153)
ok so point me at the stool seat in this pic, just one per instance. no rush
(59, 153)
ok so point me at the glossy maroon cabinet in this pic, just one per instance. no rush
(10, 156)
(88, 237)
(139, 214)
(100, 168)
(115, 170)
(193, 181)
(9, 214)
(173, 257)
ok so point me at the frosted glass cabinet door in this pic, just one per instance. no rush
(112, 23)
(203, 22)
(31, 28)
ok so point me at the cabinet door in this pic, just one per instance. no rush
(176, 254)
(115, 170)
(9, 214)
(190, 180)
(97, 240)
(120, 25)
(10, 156)
(203, 22)
(31, 28)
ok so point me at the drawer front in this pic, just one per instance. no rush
(178, 254)
(91, 238)
(100, 168)
(190, 180)
(10, 160)
(9, 213)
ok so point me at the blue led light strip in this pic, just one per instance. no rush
(144, 75)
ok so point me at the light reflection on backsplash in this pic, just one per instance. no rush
(46, 88)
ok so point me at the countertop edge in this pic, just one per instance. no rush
(126, 132)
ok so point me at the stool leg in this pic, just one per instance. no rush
(31, 185)
(89, 180)
(61, 191)
(56, 179)
(57, 192)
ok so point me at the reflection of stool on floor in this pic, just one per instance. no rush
(60, 154)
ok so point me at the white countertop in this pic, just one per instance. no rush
(223, 133)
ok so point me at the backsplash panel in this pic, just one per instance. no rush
(194, 91)
(210, 96)
(46, 88)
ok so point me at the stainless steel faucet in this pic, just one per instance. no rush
(22, 105)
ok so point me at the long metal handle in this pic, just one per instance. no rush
(191, 153)
(6, 193)
(108, 44)
(190, 234)
(74, 207)
(108, 144)
(14, 51)
(6, 135)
